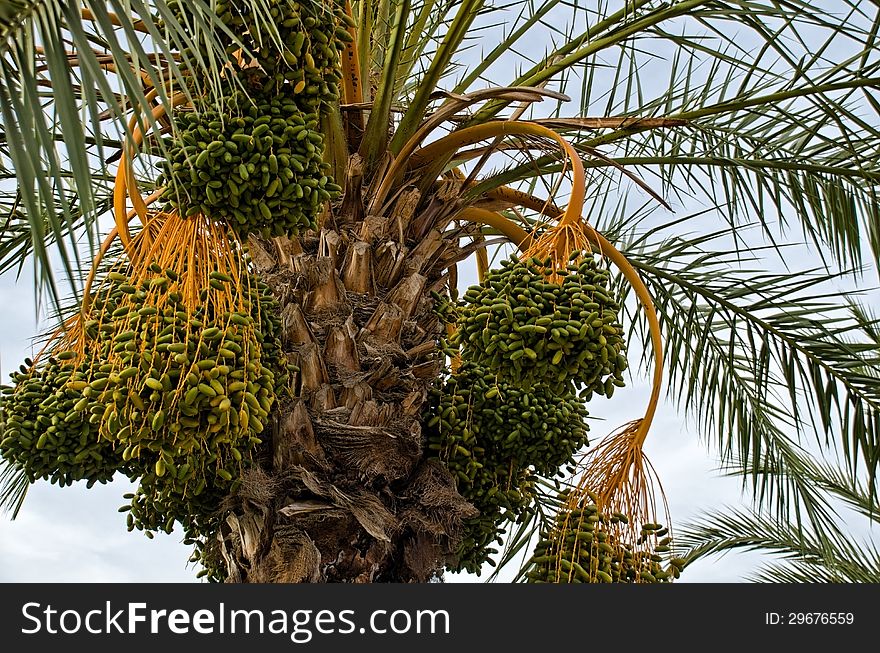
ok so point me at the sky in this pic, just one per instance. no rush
(74, 534)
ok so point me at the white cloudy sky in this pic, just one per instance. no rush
(74, 534)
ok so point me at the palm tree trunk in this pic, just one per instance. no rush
(346, 492)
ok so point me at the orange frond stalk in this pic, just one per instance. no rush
(93, 272)
(482, 264)
(647, 302)
(448, 145)
(136, 25)
(519, 198)
(408, 156)
(516, 234)
(125, 186)
(146, 235)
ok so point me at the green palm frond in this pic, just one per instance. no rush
(811, 551)
(14, 485)
(376, 134)
(869, 324)
(465, 14)
(775, 126)
(429, 19)
(766, 361)
(806, 556)
(69, 75)
(846, 487)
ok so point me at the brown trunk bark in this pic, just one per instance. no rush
(345, 491)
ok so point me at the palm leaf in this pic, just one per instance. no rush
(376, 134)
(807, 556)
(14, 485)
(759, 355)
(83, 71)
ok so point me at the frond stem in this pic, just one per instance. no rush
(448, 145)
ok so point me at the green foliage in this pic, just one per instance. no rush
(823, 551)
(768, 362)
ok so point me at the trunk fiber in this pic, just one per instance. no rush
(344, 491)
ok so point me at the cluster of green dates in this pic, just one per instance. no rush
(50, 429)
(186, 393)
(256, 165)
(531, 330)
(294, 42)
(585, 547)
(529, 337)
(503, 496)
(174, 398)
(494, 438)
(255, 161)
(445, 309)
(479, 417)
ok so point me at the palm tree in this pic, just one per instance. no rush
(756, 120)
